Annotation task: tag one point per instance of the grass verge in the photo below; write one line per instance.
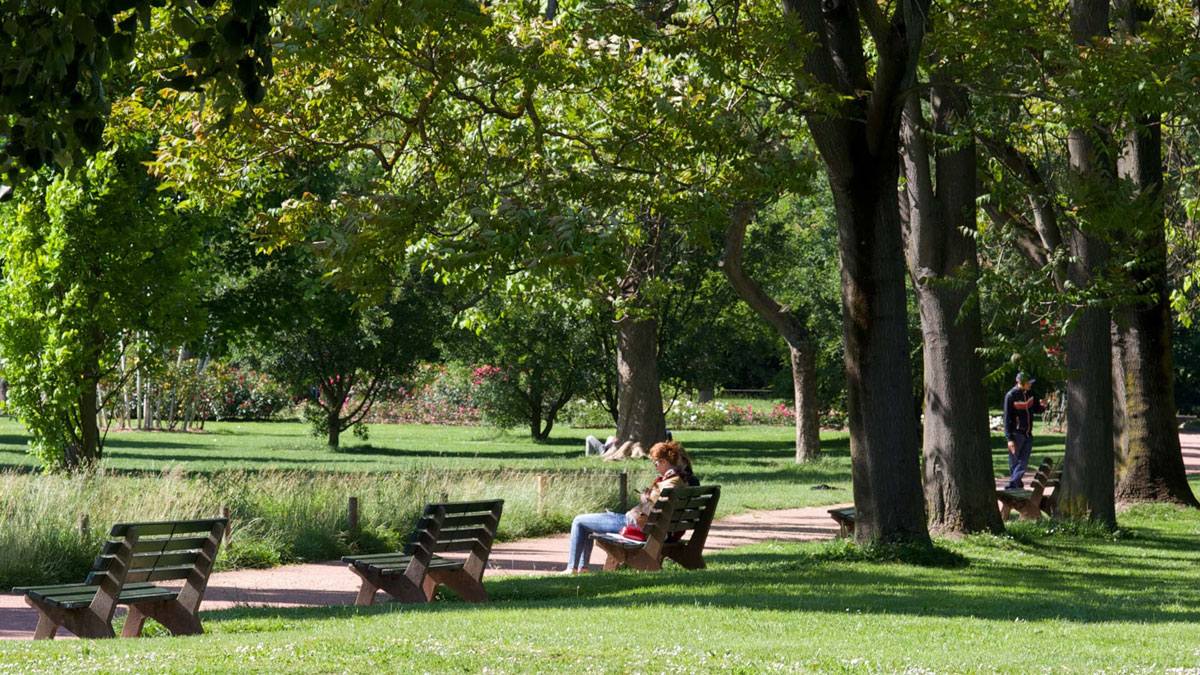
(1053, 602)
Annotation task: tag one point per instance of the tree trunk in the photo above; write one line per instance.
(1087, 482)
(334, 419)
(1149, 457)
(789, 325)
(860, 146)
(808, 419)
(640, 421)
(87, 451)
(942, 259)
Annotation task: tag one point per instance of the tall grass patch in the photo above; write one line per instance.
(277, 517)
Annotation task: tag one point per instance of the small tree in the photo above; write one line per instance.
(88, 259)
(543, 352)
(341, 353)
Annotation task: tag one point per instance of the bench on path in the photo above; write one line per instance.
(136, 555)
(412, 576)
(1031, 502)
(677, 511)
(844, 517)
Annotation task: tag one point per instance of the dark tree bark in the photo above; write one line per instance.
(859, 145)
(789, 325)
(640, 421)
(1148, 455)
(1087, 483)
(959, 485)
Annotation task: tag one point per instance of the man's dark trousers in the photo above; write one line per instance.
(1018, 460)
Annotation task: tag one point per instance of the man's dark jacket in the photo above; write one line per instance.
(1019, 408)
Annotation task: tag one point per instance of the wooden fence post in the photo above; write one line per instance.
(353, 514)
(225, 515)
(623, 490)
(84, 528)
(542, 481)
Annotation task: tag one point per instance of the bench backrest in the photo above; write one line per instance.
(1046, 476)
(159, 551)
(681, 509)
(456, 527)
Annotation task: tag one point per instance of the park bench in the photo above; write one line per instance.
(1030, 503)
(677, 511)
(844, 517)
(135, 556)
(412, 575)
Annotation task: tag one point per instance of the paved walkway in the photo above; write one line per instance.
(332, 584)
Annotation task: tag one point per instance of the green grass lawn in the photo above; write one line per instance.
(755, 465)
(1035, 601)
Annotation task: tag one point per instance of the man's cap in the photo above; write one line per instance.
(1022, 378)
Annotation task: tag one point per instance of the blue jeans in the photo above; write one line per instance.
(582, 527)
(1018, 460)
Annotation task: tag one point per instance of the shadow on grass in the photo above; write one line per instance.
(1093, 586)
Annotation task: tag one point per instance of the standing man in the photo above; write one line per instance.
(1019, 407)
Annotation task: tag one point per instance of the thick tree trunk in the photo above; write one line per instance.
(1087, 483)
(860, 149)
(942, 259)
(1149, 458)
(640, 421)
(789, 325)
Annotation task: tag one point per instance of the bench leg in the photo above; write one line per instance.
(170, 613)
(397, 586)
(82, 622)
(467, 586)
(643, 562)
(688, 559)
(46, 628)
(134, 622)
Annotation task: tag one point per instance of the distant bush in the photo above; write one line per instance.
(583, 414)
(232, 393)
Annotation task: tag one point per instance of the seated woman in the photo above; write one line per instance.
(674, 469)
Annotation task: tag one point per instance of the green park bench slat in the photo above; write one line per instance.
(142, 561)
(172, 527)
(158, 545)
(461, 507)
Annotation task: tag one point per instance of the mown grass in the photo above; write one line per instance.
(1036, 602)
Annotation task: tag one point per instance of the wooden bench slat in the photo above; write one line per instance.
(145, 560)
(159, 574)
(464, 507)
(167, 527)
(152, 594)
(459, 521)
(156, 544)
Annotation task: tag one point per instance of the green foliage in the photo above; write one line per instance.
(93, 263)
(539, 354)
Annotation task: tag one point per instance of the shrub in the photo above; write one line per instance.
(233, 393)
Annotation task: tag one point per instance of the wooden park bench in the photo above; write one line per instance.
(412, 576)
(677, 511)
(136, 555)
(1031, 502)
(844, 517)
